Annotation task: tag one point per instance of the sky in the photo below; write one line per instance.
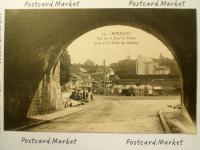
(91, 45)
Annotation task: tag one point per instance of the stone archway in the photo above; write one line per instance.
(34, 40)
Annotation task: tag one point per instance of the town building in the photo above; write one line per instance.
(148, 66)
(75, 81)
(80, 80)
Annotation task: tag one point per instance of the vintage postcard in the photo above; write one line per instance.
(99, 75)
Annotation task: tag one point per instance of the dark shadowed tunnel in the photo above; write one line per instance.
(34, 40)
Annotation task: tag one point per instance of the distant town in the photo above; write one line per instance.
(144, 76)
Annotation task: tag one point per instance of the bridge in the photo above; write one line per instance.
(35, 40)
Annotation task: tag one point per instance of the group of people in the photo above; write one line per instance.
(82, 95)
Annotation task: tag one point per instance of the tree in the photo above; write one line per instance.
(65, 64)
(171, 64)
(89, 63)
(125, 67)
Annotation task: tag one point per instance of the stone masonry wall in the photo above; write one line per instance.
(47, 97)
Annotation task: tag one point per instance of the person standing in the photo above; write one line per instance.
(84, 95)
(91, 95)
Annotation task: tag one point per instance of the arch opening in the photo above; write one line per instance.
(43, 52)
(120, 62)
(99, 41)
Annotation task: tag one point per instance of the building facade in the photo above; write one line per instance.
(148, 66)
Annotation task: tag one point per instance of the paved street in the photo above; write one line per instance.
(116, 114)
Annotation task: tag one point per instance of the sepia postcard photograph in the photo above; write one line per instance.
(130, 71)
